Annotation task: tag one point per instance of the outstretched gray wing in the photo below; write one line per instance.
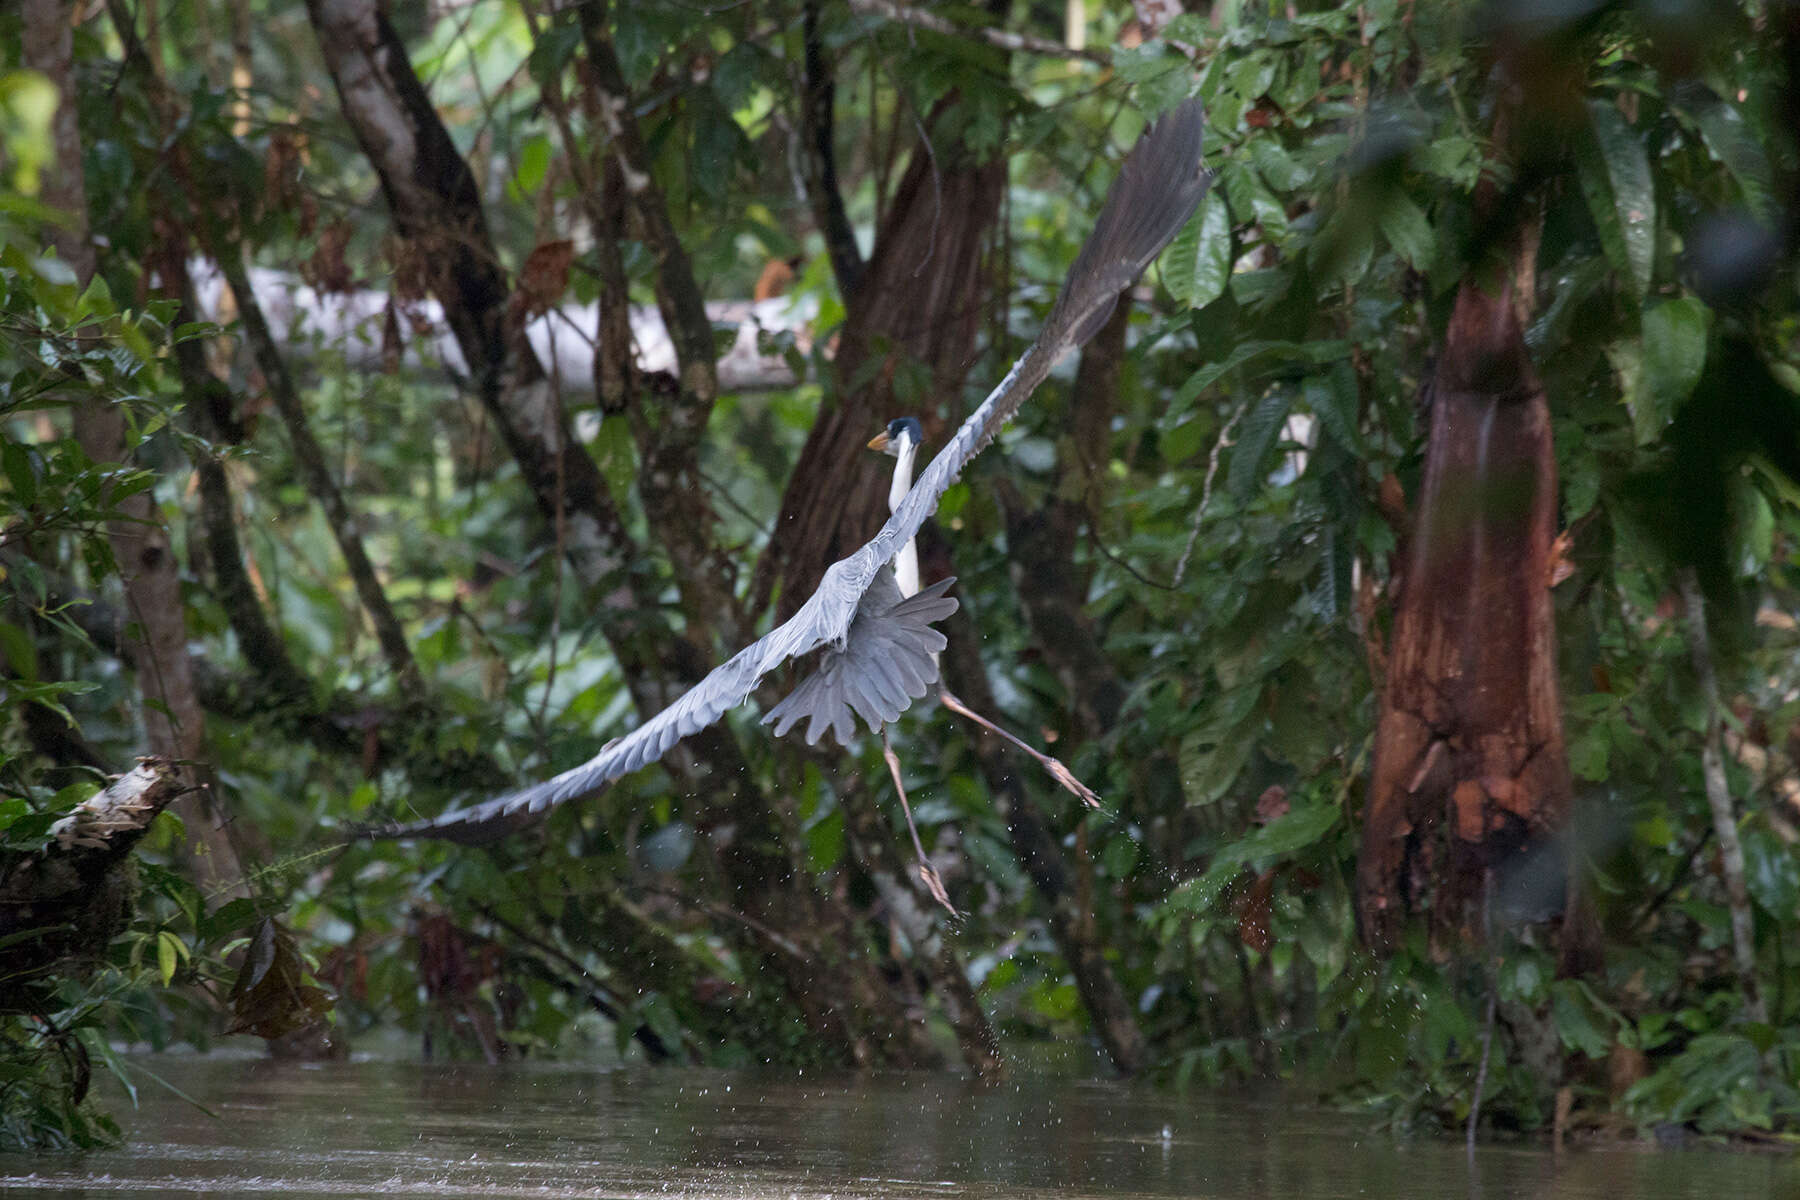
(1156, 192)
(825, 618)
(888, 662)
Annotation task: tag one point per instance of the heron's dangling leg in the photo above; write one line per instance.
(927, 872)
(1059, 772)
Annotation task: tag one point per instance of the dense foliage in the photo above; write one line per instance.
(1178, 575)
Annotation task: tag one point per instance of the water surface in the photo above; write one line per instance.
(386, 1128)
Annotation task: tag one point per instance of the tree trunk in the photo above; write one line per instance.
(155, 632)
(918, 302)
(1470, 769)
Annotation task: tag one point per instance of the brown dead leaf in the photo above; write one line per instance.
(1559, 567)
(777, 276)
(273, 994)
(1272, 804)
(327, 270)
(1254, 911)
(543, 279)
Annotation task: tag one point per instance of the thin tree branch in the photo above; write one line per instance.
(677, 293)
(1718, 798)
(311, 457)
(818, 123)
(1206, 487)
(1002, 38)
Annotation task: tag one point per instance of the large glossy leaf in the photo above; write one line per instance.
(1674, 350)
(1615, 178)
(1197, 265)
(1404, 226)
(1256, 438)
(1729, 139)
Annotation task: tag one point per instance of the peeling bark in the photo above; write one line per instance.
(70, 900)
(1470, 770)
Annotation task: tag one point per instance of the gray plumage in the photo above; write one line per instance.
(880, 644)
(888, 661)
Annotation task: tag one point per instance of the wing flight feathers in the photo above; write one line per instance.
(1157, 191)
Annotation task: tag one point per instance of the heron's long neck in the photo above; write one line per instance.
(906, 562)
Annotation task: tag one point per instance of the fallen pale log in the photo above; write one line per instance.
(352, 323)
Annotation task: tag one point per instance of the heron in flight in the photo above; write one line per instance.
(902, 439)
(879, 649)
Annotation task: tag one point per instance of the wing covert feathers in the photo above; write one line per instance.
(887, 662)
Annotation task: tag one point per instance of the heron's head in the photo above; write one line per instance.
(902, 433)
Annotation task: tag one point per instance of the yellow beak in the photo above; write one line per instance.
(879, 441)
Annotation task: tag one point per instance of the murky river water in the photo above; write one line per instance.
(384, 1128)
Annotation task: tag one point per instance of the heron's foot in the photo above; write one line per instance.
(1057, 770)
(935, 885)
(933, 882)
(1066, 777)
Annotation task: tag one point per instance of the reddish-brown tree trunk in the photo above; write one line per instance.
(1470, 767)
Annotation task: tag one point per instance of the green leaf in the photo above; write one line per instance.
(1674, 350)
(1210, 765)
(534, 162)
(1197, 265)
(16, 457)
(553, 49)
(1333, 400)
(825, 842)
(1120, 856)
(1729, 139)
(1256, 437)
(1139, 64)
(230, 917)
(1404, 226)
(1343, 249)
(1772, 875)
(1615, 178)
(1278, 166)
(1575, 1020)
(1250, 197)
(168, 953)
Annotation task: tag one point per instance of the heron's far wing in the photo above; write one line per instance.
(886, 663)
(822, 618)
(1157, 190)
